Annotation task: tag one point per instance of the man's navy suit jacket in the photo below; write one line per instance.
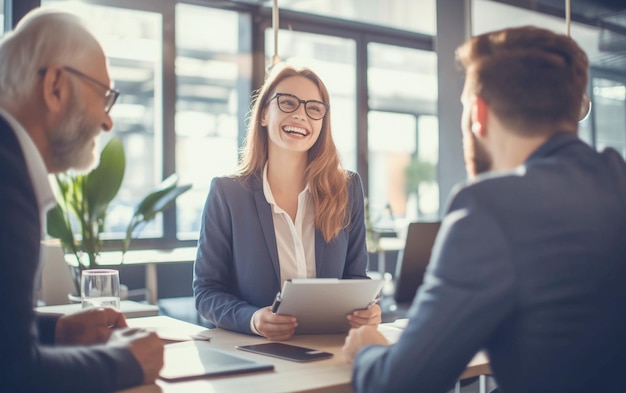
(237, 269)
(30, 363)
(529, 265)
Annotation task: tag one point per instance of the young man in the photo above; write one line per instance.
(530, 259)
(54, 101)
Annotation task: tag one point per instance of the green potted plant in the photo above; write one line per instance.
(417, 172)
(82, 205)
(372, 237)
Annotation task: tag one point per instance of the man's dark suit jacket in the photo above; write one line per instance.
(237, 269)
(30, 362)
(531, 266)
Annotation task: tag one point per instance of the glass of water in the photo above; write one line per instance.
(100, 288)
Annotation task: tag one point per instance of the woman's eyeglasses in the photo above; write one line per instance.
(289, 103)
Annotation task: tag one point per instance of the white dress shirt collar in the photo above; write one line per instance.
(295, 239)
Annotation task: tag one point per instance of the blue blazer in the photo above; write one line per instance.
(529, 265)
(237, 270)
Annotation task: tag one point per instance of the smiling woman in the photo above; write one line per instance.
(290, 211)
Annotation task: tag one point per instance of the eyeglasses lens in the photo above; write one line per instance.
(314, 109)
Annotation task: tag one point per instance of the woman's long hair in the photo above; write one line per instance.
(326, 178)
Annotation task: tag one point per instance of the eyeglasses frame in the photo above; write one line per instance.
(300, 102)
(110, 94)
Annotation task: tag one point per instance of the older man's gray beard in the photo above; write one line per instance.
(72, 143)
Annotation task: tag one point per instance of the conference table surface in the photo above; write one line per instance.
(329, 375)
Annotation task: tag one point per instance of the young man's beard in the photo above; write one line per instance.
(477, 158)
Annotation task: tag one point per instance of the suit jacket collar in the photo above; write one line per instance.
(553, 144)
(34, 162)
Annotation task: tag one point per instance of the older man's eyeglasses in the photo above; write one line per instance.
(110, 95)
(289, 103)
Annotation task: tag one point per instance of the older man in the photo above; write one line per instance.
(55, 98)
(530, 260)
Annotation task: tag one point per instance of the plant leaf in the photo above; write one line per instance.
(85, 198)
(154, 203)
(168, 182)
(102, 184)
(58, 226)
(162, 201)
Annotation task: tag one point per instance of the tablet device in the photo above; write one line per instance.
(197, 359)
(286, 351)
(322, 305)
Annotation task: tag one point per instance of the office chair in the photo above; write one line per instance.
(411, 266)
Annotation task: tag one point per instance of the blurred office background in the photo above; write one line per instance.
(186, 70)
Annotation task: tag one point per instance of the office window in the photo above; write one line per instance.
(418, 16)
(132, 42)
(425, 174)
(403, 134)
(333, 59)
(186, 73)
(606, 124)
(213, 64)
(585, 130)
(609, 104)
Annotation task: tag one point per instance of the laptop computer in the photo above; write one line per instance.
(412, 261)
(197, 359)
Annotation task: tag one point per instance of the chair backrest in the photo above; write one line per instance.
(56, 278)
(412, 261)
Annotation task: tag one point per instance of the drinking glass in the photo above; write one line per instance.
(100, 288)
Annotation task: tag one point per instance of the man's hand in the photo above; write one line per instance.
(369, 316)
(89, 326)
(145, 346)
(273, 326)
(358, 338)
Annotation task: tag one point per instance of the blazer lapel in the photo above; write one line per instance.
(320, 246)
(267, 224)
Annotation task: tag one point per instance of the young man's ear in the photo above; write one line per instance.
(54, 88)
(479, 116)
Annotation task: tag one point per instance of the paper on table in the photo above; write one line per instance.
(171, 329)
(393, 330)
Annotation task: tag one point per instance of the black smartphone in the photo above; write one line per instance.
(286, 351)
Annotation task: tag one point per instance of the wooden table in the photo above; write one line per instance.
(478, 366)
(331, 375)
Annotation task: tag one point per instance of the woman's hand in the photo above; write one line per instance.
(369, 316)
(273, 326)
